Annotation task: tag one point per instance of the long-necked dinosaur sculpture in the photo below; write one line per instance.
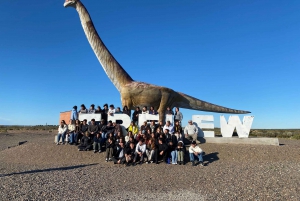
(135, 93)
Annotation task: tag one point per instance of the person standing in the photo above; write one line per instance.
(83, 109)
(126, 111)
(105, 112)
(169, 111)
(92, 109)
(135, 115)
(191, 131)
(178, 115)
(111, 110)
(74, 113)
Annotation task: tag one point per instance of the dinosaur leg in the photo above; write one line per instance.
(166, 101)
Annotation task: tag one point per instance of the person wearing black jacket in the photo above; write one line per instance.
(119, 157)
(104, 113)
(110, 145)
(82, 130)
(172, 152)
(97, 143)
(102, 130)
(162, 151)
(135, 115)
(85, 142)
(129, 153)
(126, 111)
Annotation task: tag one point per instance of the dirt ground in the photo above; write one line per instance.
(40, 170)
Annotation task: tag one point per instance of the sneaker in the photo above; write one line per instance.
(201, 163)
(151, 161)
(109, 159)
(140, 163)
(95, 151)
(57, 143)
(147, 162)
(99, 151)
(106, 160)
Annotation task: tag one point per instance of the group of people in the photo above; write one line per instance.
(149, 143)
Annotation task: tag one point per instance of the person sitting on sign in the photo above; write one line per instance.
(191, 131)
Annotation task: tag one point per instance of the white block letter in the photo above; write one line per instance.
(242, 129)
(197, 119)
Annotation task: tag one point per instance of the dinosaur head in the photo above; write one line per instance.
(70, 3)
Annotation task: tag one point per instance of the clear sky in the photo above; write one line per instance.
(238, 54)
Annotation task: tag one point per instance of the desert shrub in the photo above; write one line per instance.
(296, 137)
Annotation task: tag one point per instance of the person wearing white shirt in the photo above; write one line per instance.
(191, 131)
(71, 131)
(144, 110)
(111, 110)
(62, 130)
(140, 151)
(195, 150)
(169, 127)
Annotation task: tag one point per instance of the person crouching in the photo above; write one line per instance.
(195, 150)
(85, 143)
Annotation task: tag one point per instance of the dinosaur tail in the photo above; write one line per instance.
(190, 102)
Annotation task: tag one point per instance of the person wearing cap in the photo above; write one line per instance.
(74, 113)
(195, 150)
(111, 110)
(92, 109)
(83, 109)
(191, 131)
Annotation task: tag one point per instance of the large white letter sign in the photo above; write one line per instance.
(242, 129)
(124, 117)
(209, 125)
(89, 117)
(151, 117)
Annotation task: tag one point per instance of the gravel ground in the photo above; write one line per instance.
(40, 170)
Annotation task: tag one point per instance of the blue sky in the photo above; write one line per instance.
(238, 54)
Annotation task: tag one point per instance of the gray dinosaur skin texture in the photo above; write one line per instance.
(134, 93)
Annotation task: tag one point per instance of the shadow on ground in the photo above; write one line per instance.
(47, 170)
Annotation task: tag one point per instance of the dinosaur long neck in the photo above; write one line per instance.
(118, 76)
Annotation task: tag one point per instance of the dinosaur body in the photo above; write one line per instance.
(135, 93)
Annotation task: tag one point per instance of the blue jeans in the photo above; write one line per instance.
(192, 157)
(103, 137)
(174, 157)
(61, 135)
(72, 138)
